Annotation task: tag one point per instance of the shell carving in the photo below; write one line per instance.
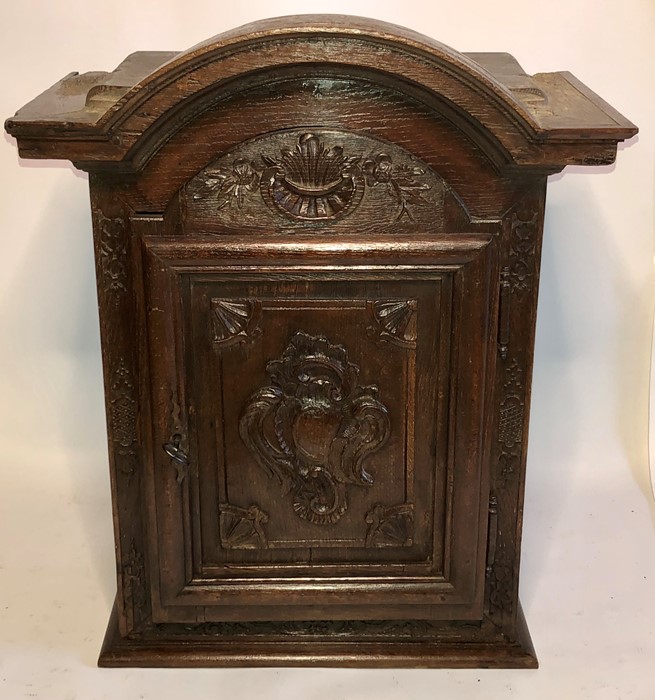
(394, 321)
(233, 320)
(312, 181)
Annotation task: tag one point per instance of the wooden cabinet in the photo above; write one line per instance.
(317, 244)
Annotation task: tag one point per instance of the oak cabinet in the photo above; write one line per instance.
(317, 244)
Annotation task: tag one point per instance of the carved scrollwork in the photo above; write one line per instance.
(241, 528)
(312, 427)
(510, 422)
(531, 95)
(390, 526)
(394, 321)
(605, 158)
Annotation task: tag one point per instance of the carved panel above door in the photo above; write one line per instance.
(299, 178)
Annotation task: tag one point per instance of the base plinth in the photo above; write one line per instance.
(321, 650)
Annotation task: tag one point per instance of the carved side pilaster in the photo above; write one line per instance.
(520, 273)
(117, 308)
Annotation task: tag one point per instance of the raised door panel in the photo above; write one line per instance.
(319, 424)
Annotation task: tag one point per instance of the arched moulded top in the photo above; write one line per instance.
(545, 121)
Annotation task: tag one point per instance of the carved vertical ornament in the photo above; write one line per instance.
(312, 427)
(122, 412)
(510, 439)
(113, 253)
(510, 423)
(134, 584)
(517, 278)
(523, 241)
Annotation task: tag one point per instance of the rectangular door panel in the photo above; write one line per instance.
(319, 437)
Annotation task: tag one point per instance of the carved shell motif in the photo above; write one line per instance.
(312, 181)
(312, 427)
(394, 320)
(233, 320)
(390, 526)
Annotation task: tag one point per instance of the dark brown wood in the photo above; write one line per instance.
(317, 245)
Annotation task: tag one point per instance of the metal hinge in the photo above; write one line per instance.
(492, 533)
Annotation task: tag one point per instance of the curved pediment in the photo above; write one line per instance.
(123, 117)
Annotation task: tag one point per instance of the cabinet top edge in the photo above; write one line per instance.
(110, 111)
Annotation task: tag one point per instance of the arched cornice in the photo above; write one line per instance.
(111, 117)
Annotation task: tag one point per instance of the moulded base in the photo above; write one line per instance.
(321, 650)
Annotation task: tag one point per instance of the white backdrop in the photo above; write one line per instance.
(589, 546)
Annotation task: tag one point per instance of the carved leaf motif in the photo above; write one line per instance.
(241, 528)
(390, 526)
(229, 185)
(313, 427)
(400, 181)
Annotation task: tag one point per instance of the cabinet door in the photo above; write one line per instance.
(319, 417)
